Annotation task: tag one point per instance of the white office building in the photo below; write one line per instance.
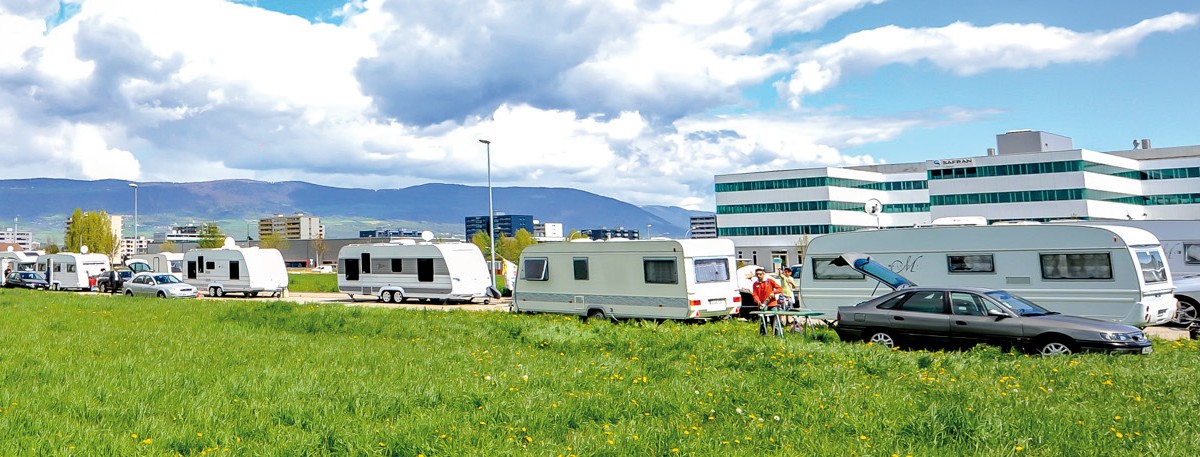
(12, 235)
(1031, 175)
(547, 231)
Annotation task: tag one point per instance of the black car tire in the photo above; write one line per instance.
(128, 293)
(1055, 346)
(881, 337)
(161, 294)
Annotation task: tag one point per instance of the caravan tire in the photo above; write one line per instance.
(386, 297)
(218, 292)
(596, 314)
(397, 297)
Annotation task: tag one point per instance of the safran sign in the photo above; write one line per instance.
(952, 163)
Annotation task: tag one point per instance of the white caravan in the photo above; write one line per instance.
(1104, 272)
(72, 271)
(653, 279)
(162, 262)
(232, 269)
(1180, 240)
(396, 272)
(18, 260)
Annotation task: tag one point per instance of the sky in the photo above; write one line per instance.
(640, 100)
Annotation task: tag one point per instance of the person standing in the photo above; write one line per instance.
(765, 292)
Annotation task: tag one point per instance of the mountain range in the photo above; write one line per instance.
(42, 204)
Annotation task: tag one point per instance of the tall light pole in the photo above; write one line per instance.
(135, 217)
(491, 215)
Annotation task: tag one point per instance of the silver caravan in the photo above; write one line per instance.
(72, 271)
(232, 269)
(652, 279)
(396, 272)
(18, 260)
(1110, 273)
(1180, 240)
(162, 262)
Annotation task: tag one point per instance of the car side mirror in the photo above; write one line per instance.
(997, 314)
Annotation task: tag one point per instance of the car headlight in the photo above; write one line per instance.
(1117, 336)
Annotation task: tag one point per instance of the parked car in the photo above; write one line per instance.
(966, 316)
(26, 279)
(105, 283)
(1187, 291)
(323, 269)
(162, 285)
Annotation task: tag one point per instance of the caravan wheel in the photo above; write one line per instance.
(218, 292)
(388, 297)
(397, 297)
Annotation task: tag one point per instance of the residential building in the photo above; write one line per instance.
(547, 231)
(296, 227)
(1031, 175)
(14, 236)
(506, 224)
(180, 234)
(607, 233)
(703, 227)
(389, 233)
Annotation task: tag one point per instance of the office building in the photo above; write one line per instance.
(20, 238)
(607, 233)
(506, 224)
(1030, 176)
(547, 231)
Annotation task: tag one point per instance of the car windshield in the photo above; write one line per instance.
(1018, 305)
(166, 279)
(31, 275)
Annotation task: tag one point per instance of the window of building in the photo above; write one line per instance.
(1076, 265)
(970, 263)
(534, 269)
(660, 270)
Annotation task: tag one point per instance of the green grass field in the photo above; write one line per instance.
(101, 375)
(312, 282)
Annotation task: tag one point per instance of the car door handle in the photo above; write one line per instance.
(960, 322)
(897, 318)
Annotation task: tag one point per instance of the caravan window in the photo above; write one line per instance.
(534, 269)
(397, 265)
(1152, 266)
(660, 271)
(825, 269)
(1191, 253)
(210, 265)
(1076, 265)
(581, 268)
(973, 263)
(711, 270)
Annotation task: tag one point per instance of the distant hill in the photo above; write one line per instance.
(44, 203)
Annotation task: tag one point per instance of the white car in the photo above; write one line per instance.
(162, 285)
(323, 269)
(1187, 291)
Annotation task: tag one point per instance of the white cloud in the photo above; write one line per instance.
(967, 49)
(614, 97)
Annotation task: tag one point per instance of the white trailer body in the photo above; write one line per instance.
(72, 271)
(1104, 272)
(231, 269)
(18, 260)
(651, 279)
(162, 262)
(1180, 240)
(396, 272)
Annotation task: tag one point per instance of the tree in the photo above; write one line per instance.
(511, 248)
(211, 237)
(168, 246)
(482, 240)
(319, 246)
(52, 248)
(274, 240)
(575, 235)
(92, 229)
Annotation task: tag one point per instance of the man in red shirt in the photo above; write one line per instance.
(765, 291)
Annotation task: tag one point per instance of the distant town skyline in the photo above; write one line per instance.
(640, 101)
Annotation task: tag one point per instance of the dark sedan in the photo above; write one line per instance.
(965, 316)
(970, 316)
(27, 280)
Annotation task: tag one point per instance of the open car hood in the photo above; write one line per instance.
(865, 265)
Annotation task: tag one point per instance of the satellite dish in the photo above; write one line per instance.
(83, 249)
(873, 207)
(229, 243)
(427, 235)
(10, 249)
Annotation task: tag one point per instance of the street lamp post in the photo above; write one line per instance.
(135, 217)
(491, 215)
(688, 233)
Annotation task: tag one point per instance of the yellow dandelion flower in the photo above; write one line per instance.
(147, 441)
(1019, 448)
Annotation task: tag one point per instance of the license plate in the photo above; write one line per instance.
(716, 304)
(1147, 349)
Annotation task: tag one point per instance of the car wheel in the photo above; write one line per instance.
(128, 293)
(882, 338)
(103, 289)
(161, 294)
(1055, 346)
(1187, 312)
